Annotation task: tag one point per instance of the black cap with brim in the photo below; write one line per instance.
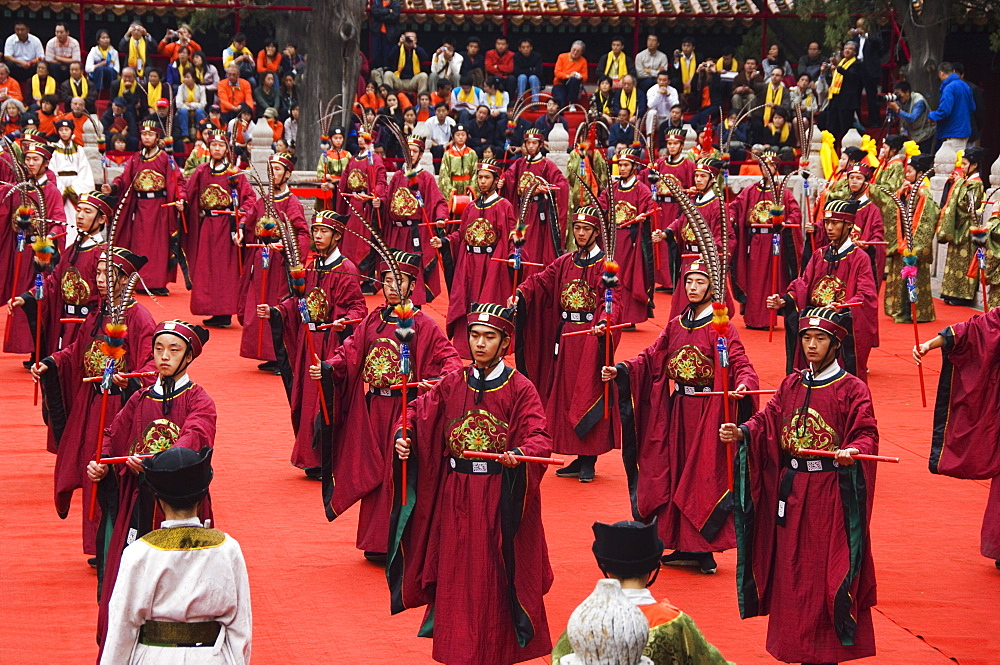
(179, 474)
(627, 549)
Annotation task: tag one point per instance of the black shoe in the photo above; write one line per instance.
(706, 562)
(313, 472)
(218, 321)
(92, 562)
(368, 289)
(587, 468)
(997, 563)
(679, 558)
(757, 328)
(160, 292)
(377, 557)
(271, 367)
(571, 470)
(629, 328)
(956, 302)
(662, 289)
(27, 364)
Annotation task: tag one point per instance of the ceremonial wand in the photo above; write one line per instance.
(267, 231)
(39, 295)
(237, 221)
(475, 454)
(23, 223)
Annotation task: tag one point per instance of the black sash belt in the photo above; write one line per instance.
(685, 389)
(480, 250)
(760, 230)
(794, 465)
(577, 317)
(158, 194)
(176, 634)
(475, 467)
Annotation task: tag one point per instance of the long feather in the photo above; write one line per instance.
(703, 234)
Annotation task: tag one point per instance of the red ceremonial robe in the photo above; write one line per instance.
(483, 235)
(332, 292)
(363, 169)
(804, 549)
(215, 266)
(683, 174)
(358, 449)
(545, 236)
(567, 296)
(840, 277)
(72, 408)
(276, 288)
(146, 226)
(130, 510)
(676, 467)
(413, 202)
(634, 252)
(711, 209)
(752, 260)
(868, 227)
(469, 543)
(22, 335)
(966, 439)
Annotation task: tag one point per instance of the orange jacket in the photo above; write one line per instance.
(230, 96)
(13, 88)
(565, 67)
(170, 50)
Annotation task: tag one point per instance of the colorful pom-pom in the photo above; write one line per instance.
(297, 279)
(44, 250)
(720, 317)
(909, 272)
(611, 267)
(777, 216)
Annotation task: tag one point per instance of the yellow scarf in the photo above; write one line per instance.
(467, 98)
(402, 61)
(154, 94)
(838, 78)
(498, 99)
(80, 91)
(732, 66)
(137, 54)
(625, 103)
(618, 64)
(190, 93)
(785, 129)
(774, 96)
(50, 86)
(828, 154)
(122, 89)
(688, 68)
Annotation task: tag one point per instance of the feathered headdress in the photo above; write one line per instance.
(907, 209)
(326, 115)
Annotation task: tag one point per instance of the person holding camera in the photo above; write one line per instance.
(445, 64)
(747, 85)
(912, 109)
(138, 48)
(404, 64)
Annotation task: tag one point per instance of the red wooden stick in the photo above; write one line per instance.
(263, 301)
(348, 322)
(38, 342)
(982, 280)
(97, 453)
(319, 382)
(874, 242)
(13, 294)
(72, 320)
(588, 331)
(129, 375)
(774, 289)
(831, 453)
(725, 419)
(717, 393)
(402, 463)
(845, 305)
(920, 367)
(523, 263)
(400, 386)
(520, 458)
(121, 460)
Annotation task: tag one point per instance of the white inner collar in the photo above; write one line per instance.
(179, 382)
(831, 370)
(494, 373)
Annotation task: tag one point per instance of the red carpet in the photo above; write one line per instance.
(315, 599)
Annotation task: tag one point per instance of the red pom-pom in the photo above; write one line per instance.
(611, 267)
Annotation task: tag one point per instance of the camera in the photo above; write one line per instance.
(889, 98)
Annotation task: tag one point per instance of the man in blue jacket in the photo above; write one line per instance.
(955, 106)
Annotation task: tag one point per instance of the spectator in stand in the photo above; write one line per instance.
(621, 133)
(9, 88)
(500, 63)
(296, 63)
(709, 87)
(674, 121)
(845, 93)
(77, 115)
(215, 116)
(446, 65)
(60, 51)
(384, 31)
(155, 90)
(240, 128)
(870, 59)
(661, 98)
(954, 112)
(615, 64)
(266, 95)
(207, 75)
(496, 98)
(746, 86)
(234, 92)
(238, 54)
(292, 126)
(465, 99)
(42, 84)
(22, 51)
(628, 97)
(977, 98)
(738, 136)
(119, 119)
(685, 68)
(77, 85)
(804, 94)
(570, 75)
(442, 93)
(812, 61)
(392, 108)
(190, 101)
(775, 58)
(161, 114)
(528, 69)
(474, 62)
(127, 87)
(728, 69)
(277, 127)
(405, 71)
(649, 63)
(775, 95)
(174, 40)
(370, 99)
(13, 116)
(402, 98)
(176, 69)
(439, 130)
(288, 96)
(48, 112)
(424, 109)
(270, 59)
(483, 132)
(777, 136)
(552, 117)
(602, 101)
(103, 65)
(138, 48)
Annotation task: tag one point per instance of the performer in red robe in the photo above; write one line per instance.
(267, 283)
(332, 296)
(481, 608)
(71, 408)
(966, 438)
(546, 234)
(634, 253)
(868, 225)
(802, 521)
(681, 169)
(174, 411)
(40, 195)
(220, 199)
(676, 468)
(362, 190)
(149, 219)
(415, 199)
(70, 290)
(752, 260)
(483, 235)
(568, 296)
(358, 381)
(839, 274)
(710, 207)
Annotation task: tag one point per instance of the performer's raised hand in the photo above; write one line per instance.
(608, 373)
(512, 302)
(238, 237)
(436, 243)
(659, 235)
(119, 380)
(338, 325)
(105, 189)
(14, 303)
(845, 456)
(134, 463)
(263, 311)
(316, 372)
(730, 433)
(775, 301)
(739, 392)
(507, 459)
(377, 202)
(403, 448)
(96, 471)
(921, 350)
(37, 370)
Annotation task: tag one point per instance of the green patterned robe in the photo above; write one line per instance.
(897, 304)
(576, 195)
(957, 217)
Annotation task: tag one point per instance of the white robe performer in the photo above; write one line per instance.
(72, 169)
(181, 573)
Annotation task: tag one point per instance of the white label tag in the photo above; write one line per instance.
(689, 390)
(814, 465)
(132, 533)
(479, 467)
(781, 509)
(416, 242)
